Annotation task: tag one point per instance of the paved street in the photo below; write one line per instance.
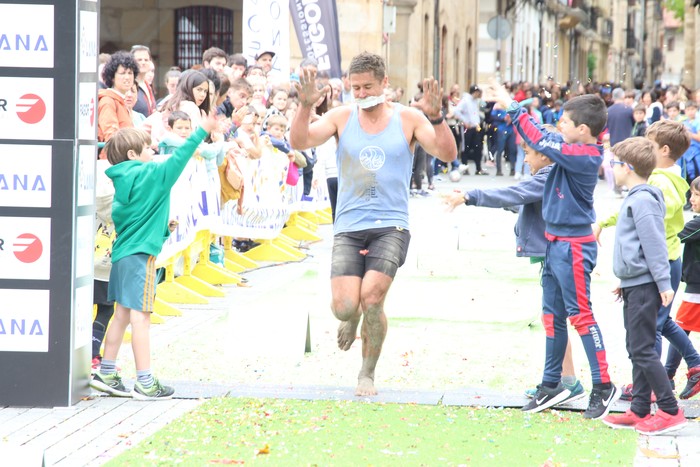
(463, 330)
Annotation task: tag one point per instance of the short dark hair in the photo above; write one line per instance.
(589, 110)
(308, 61)
(673, 105)
(368, 62)
(122, 58)
(136, 48)
(212, 75)
(672, 134)
(252, 67)
(638, 152)
(173, 72)
(691, 104)
(213, 52)
(176, 115)
(242, 84)
(238, 60)
(695, 184)
(640, 108)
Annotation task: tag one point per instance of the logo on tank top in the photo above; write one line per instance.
(372, 158)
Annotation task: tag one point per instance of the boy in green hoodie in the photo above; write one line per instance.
(672, 140)
(140, 211)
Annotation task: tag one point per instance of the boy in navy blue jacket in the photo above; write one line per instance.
(567, 209)
(529, 234)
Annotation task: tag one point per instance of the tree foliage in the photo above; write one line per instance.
(677, 7)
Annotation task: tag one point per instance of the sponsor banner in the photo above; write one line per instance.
(84, 245)
(88, 42)
(83, 307)
(194, 204)
(25, 176)
(266, 28)
(26, 108)
(26, 36)
(24, 320)
(87, 157)
(87, 111)
(316, 25)
(25, 248)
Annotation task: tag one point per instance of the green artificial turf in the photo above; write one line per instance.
(283, 432)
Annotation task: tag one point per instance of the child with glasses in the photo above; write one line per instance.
(640, 261)
(671, 140)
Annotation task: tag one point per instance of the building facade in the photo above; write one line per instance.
(430, 37)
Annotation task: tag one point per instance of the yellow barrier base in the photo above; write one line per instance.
(268, 251)
(127, 337)
(283, 240)
(291, 247)
(298, 232)
(311, 216)
(240, 259)
(200, 286)
(165, 309)
(214, 274)
(233, 267)
(173, 292)
(296, 219)
(325, 217)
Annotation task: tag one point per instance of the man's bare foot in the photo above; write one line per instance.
(347, 333)
(365, 387)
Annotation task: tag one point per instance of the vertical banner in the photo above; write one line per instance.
(266, 28)
(48, 146)
(316, 24)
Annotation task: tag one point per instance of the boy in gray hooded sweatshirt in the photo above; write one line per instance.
(640, 261)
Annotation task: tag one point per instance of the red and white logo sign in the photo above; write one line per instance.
(87, 121)
(25, 248)
(31, 108)
(28, 248)
(26, 108)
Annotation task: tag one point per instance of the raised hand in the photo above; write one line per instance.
(308, 91)
(431, 102)
(239, 115)
(496, 92)
(210, 123)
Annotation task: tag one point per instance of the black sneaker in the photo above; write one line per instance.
(546, 397)
(111, 384)
(600, 402)
(154, 393)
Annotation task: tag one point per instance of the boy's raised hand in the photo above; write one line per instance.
(498, 93)
(210, 123)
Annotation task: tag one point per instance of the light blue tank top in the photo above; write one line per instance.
(374, 173)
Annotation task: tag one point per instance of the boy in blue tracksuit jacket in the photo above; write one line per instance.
(567, 209)
(529, 233)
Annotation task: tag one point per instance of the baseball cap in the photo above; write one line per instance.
(473, 88)
(272, 54)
